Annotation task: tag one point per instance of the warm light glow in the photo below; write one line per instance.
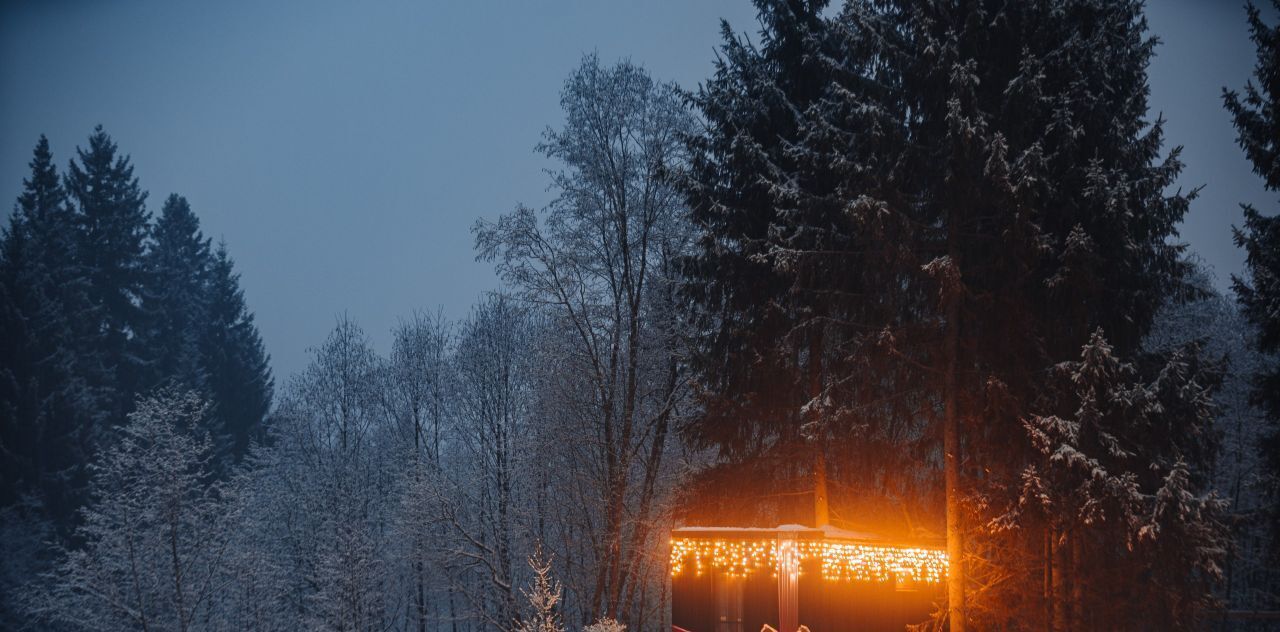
(842, 561)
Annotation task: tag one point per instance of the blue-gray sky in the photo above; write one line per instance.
(343, 150)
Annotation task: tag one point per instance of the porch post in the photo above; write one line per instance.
(788, 583)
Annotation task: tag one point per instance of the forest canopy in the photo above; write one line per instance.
(904, 268)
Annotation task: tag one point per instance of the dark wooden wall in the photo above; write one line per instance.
(825, 606)
(693, 603)
(855, 606)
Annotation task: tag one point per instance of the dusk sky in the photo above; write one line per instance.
(343, 150)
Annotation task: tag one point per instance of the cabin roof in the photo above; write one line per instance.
(826, 532)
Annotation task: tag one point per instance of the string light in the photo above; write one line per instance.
(840, 561)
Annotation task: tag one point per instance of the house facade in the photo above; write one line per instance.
(731, 579)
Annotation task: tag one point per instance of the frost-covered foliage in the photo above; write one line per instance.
(1253, 110)
(401, 492)
(605, 625)
(600, 263)
(1227, 338)
(543, 596)
(1256, 115)
(480, 500)
(327, 481)
(99, 305)
(398, 492)
(909, 214)
(155, 535)
(911, 217)
(1122, 474)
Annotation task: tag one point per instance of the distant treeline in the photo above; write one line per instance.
(98, 305)
(393, 492)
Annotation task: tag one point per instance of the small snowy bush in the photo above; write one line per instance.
(606, 625)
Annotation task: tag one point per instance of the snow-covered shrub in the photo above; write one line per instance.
(606, 625)
(543, 597)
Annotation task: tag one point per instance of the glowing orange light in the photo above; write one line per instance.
(841, 561)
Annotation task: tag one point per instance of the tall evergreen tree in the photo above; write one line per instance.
(51, 374)
(1256, 115)
(974, 189)
(1113, 472)
(765, 345)
(88, 318)
(236, 365)
(18, 430)
(113, 226)
(174, 298)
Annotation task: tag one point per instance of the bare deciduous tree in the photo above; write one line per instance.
(599, 259)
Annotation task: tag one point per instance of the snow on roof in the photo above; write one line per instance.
(826, 532)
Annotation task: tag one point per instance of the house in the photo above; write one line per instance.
(731, 579)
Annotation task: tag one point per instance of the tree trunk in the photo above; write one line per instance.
(178, 597)
(420, 596)
(951, 445)
(1061, 600)
(1077, 587)
(821, 508)
(821, 511)
(1047, 593)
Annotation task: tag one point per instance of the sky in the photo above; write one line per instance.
(344, 150)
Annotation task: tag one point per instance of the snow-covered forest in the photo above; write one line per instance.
(924, 257)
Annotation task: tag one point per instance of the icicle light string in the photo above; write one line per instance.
(841, 561)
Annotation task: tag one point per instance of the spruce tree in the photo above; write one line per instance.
(113, 227)
(1115, 475)
(1256, 115)
(975, 189)
(51, 374)
(174, 298)
(236, 366)
(18, 430)
(764, 342)
(1033, 155)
